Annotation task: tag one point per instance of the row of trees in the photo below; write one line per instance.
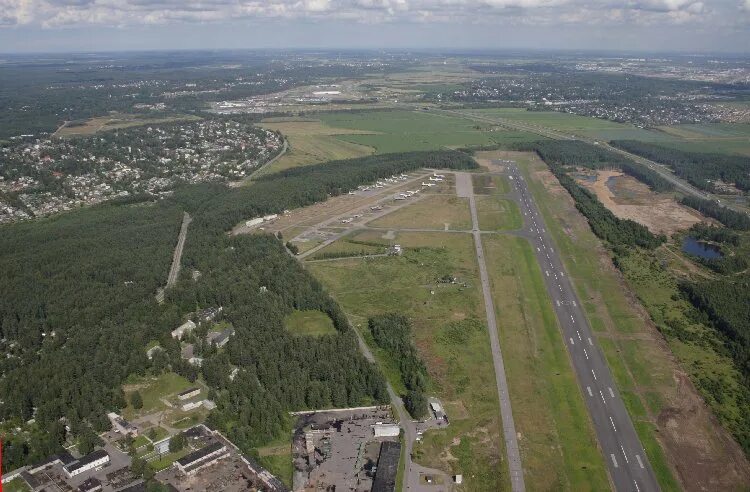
(701, 169)
(392, 332)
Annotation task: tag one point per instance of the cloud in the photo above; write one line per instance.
(62, 13)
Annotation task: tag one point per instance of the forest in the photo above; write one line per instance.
(728, 217)
(392, 333)
(560, 156)
(701, 169)
(77, 309)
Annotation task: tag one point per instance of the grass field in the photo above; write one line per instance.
(347, 247)
(309, 323)
(558, 446)
(579, 125)
(431, 212)
(116, 122)
(449, 332)
(16, 485)
(497, 214)
(400, 131)
(152, 390)
(485, 184)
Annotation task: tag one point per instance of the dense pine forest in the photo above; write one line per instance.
(701, 169)
(77, 309)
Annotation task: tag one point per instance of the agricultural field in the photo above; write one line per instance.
(578, 125)
(311, 142)
(309, 323)
(431, 212)
(115, 122)
(450, 334)
(558, 447)
(680, 436)
(398, 131)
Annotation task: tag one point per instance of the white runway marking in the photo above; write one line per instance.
(614, 460)
(611, 393)
(638, 458)
(613, 424)
(589, 388)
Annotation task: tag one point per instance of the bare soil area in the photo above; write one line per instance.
(627, 198)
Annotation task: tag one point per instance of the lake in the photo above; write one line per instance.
(694, 247)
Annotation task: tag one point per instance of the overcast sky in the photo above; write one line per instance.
(644, 25)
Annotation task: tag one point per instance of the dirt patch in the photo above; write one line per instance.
(627, 198)
(697, 448)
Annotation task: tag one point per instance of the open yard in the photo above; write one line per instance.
(153, 389)
(450, 334)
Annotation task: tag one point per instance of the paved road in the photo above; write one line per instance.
(464, 187)
(174, 270)
(626, 460)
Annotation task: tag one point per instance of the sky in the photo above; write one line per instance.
(624, 25)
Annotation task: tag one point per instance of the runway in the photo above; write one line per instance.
(626, 459)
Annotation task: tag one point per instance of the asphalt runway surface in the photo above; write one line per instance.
(626, 460)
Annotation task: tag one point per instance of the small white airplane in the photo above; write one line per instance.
(346, 221)
(428, 184)
(352, 193)
(412, 191)
(438, 175)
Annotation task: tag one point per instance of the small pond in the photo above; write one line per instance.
(694, 247)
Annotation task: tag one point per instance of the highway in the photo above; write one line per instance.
(626, 460)
(679, 184)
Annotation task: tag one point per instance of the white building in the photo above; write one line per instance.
(91, 461)
(180, 331)
(386, 430)
(189, 393)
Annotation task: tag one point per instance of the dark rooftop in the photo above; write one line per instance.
(188, 391)
(90, 484)
(91, 457)
(385, 476)
(198, 455)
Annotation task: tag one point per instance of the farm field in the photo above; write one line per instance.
(675, 427)
(558, 447)
(431, 212)
(399, 131)
(309, 323)
(311, 142)
(450, 334)
(579, 125)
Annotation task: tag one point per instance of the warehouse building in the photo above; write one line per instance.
(385, 476)
(91, 461)
(189, 393)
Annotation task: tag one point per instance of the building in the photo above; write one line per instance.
(180, 331)
(385, 476)
(91, 461)
(206, 456)
(437, 410)
(386, 430)
(64, 458)
(121, 425)
(209, 314)
(150, 352)
(220, 338)
(90, 485)
(254, 222)
(189, 393)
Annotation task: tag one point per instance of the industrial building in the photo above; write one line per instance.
(202, 458)
(189, 393)
(91, 461)
(385, 476)
(386, 430)
(121, 425)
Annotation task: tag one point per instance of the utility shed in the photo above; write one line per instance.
(385, 476)
(386, 430)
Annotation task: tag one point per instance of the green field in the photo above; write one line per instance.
(578, 125)
(309, 323)
(497, 214)
(16, 485)
(558, 446)
(450, 334)
(152, 389)
(399, 131)
(485, 184)
(639, 366)
(346, 247)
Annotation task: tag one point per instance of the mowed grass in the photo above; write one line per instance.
(309, 323)
(558, 445)
(451, 336)
(430, 212)
(116, 122)
(347, 247)
(402, 131)
(497, 214)
(605, 301)
(579, 125)
(487, 184)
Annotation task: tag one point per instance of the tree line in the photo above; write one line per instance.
(392, 333)
(727, 216)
